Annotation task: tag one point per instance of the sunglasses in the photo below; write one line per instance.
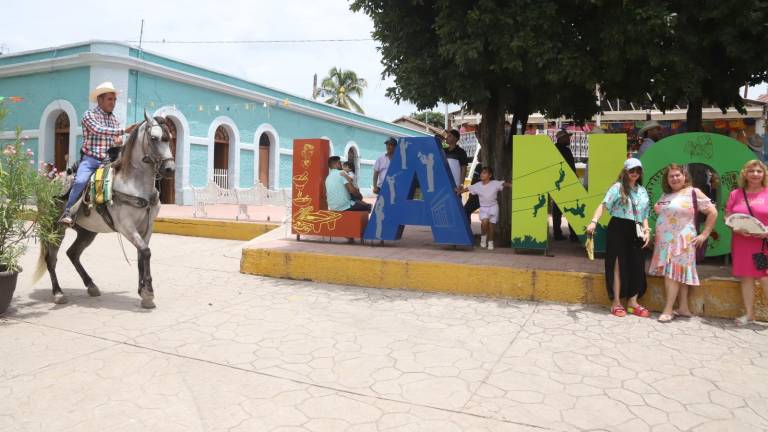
(636, 171)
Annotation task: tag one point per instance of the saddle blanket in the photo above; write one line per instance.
(101, 185)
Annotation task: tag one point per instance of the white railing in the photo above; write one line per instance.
(256, 196)
(468, 141)
(579, 143)
(220, 177)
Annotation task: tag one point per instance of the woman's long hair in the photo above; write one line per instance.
(624, 181)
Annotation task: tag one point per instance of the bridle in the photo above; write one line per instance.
(148, 157)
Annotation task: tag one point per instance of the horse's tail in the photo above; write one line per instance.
(41, 267)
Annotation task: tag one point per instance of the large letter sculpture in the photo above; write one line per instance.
(724, 156)
(540, 173)
(419, 158)
(310, 210)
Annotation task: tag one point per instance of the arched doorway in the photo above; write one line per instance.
(264, 145)
(221, 157)
(61, 142)
(168, 185)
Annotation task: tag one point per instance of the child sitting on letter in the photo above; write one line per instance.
(487, 190)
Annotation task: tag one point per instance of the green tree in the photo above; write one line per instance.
(496, 56)
(699, 52)
(433, 118)
(340, 85)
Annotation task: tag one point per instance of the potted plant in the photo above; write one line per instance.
(28, 207)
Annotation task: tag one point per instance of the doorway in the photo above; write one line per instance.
(168, 185)
(221, 157)
(264, 154)
(61, 142)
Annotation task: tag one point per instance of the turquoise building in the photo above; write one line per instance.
(227, 129)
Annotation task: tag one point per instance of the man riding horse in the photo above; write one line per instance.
(134, 202)
(101, 131)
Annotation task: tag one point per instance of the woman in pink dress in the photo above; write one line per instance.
(753, 190)
(676, 240)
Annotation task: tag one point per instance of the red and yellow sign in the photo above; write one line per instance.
(310, 209)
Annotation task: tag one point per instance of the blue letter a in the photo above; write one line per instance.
(419, 158)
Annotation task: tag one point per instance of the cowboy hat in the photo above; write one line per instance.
(648, 126)
(562, 132)
(105, 87)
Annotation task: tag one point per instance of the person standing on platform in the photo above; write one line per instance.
(750, 198)
(676, 239)
(382, 164)
(628, 203)
(487, 191)
(650, 132)
(457, 157)
(563, 144)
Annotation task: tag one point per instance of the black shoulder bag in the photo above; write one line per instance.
(760, 259)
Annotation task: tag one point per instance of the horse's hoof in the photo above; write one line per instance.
(147, 299)
(59, 298)
(93, 290)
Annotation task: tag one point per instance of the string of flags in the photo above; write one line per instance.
(11, 99)
(247, 106)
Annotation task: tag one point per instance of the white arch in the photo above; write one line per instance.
(353, 145)
(233, 159)
(182, 147)
(274, 154)
(47, 134)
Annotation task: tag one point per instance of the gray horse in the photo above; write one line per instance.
(135, 204)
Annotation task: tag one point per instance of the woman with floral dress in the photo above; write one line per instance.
(628, 203)
(674, 253)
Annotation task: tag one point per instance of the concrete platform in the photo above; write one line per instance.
(418, 264)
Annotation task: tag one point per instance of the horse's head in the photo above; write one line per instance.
(157, 148)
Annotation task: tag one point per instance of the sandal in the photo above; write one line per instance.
(639, 311)
(743, 320)
(680, 315)
(618, 311)
(665, 318)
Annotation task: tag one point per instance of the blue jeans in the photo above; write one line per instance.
(87, 167)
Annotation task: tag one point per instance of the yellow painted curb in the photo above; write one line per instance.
(717, 297)
(218, 229)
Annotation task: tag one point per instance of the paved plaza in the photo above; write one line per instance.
(225, 351)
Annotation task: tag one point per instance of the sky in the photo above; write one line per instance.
(35, 24)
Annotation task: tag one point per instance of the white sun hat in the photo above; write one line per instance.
(105, 87)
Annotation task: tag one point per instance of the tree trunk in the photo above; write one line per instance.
(497, 153)
(693, 116)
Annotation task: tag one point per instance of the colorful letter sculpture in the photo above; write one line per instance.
(723, 155)
(419, 158)
(540, 174)
(310, 209)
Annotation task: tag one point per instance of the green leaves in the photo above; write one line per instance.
(339, 85)
(28, 202)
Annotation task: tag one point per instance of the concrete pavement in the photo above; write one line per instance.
(228, 351)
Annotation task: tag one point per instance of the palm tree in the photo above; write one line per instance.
(339, 85)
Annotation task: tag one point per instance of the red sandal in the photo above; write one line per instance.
(619, 311)
(639, 311)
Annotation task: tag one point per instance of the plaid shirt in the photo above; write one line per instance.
(99, 131)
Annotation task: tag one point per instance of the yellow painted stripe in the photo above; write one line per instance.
(715, 298)
(218, 229)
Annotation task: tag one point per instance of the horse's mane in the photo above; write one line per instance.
(124, 161)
